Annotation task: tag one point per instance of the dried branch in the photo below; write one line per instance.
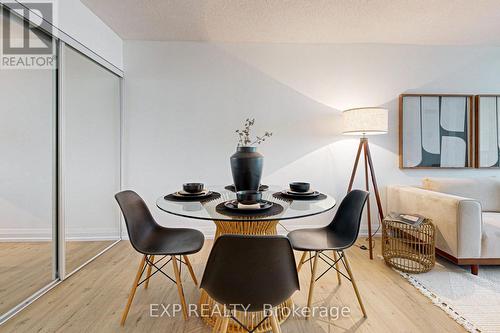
(244, 134)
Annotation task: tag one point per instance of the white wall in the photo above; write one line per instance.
(79, 22)
(184, 100)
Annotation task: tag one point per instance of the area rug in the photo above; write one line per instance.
(472, 301)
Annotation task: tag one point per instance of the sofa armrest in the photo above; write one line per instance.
(458, 220)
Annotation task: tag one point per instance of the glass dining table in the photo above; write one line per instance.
(245, 224)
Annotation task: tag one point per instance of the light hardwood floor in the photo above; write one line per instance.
(26, 267)
(93, 299)
(79, 252)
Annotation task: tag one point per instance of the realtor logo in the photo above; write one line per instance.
(27, 41)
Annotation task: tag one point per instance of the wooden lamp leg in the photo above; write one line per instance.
(356, 161)
(363, 145)
(374, 182)
(368, 209)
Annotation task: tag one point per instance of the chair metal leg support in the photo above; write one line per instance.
(254, 328)
(138, 276)
(332, 265)
(178, 282)
(313, 280)
(158, 269)
(348, 268)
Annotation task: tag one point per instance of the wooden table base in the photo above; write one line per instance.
(245, 228)
(249, 319)
(208, 309)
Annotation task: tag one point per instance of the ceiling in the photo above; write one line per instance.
(446, 22)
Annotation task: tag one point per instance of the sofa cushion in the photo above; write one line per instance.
(485, 189)
(490, 245)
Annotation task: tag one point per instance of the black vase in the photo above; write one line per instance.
(246, 167)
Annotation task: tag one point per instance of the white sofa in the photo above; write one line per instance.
(465, 211)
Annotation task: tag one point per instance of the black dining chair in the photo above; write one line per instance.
(250, 273)
(152, 240)
(338, 236)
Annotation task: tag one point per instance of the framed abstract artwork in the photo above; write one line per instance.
(435, 131)
(487, 152)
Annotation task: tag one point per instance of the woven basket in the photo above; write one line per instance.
(407, 248)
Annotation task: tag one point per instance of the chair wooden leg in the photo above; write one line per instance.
(274, 323)
(179, 287)
(311, 285)
(132, 291)
(339, 278)
(148, 274)
(191, 271)
(224, 325)
(301, 262)
(354, 285)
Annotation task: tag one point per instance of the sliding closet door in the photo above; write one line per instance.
(27, 176)
(90, 157)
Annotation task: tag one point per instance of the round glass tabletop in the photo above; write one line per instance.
(206, 210)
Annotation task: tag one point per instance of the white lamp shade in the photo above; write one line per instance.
(365, 121)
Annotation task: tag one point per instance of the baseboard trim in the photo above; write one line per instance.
(45, 235)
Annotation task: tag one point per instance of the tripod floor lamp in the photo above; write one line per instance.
(363, 122)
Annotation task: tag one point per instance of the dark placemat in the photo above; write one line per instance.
(274, 210)
(213, 196)
(262, 188)
(279, 195)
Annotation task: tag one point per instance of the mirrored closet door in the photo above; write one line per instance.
(60, 163)
(90, 157)
(27, 174)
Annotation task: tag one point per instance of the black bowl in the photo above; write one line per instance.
(300, 187)
(248, 197)
(192, 187)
